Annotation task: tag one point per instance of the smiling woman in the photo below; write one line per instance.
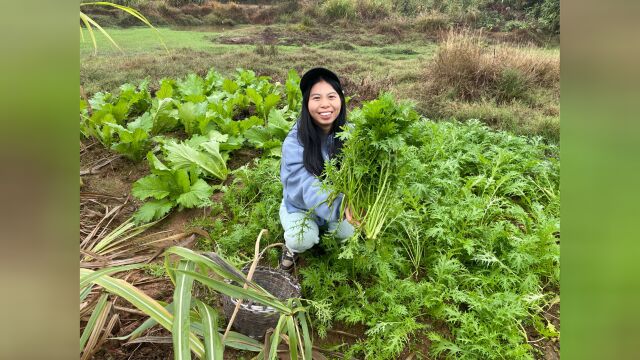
(305, 208)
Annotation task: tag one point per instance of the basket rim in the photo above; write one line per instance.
(264, 309)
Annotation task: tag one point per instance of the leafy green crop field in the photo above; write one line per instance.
(464, 261)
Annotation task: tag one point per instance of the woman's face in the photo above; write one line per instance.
(324, 105)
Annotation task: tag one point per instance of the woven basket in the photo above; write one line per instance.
(254, 319)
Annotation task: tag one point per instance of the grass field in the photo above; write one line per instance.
(368, 61)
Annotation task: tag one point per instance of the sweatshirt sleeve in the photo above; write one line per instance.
(301, 187)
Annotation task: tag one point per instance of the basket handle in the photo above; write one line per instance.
(257, 255)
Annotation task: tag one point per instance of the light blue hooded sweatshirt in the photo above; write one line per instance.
(301, 189)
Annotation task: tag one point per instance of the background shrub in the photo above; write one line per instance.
(410, 7)
(431, 21)
(511, 84)
(373, 9)
(338, 9)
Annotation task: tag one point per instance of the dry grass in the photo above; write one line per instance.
(465, 68)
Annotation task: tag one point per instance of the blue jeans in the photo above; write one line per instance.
(301, 231)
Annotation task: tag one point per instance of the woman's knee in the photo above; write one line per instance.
(301, 239)
(342, 230)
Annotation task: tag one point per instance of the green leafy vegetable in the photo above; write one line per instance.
(169, 187)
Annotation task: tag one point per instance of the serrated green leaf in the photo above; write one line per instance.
(229, 86)
(269, 102)
(198, 195)
(150, 186)
(143, 122)
(166, 89)
(192, 88)
(153, 210)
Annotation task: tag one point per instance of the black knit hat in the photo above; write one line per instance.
(310, 77)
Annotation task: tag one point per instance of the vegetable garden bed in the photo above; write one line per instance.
(467, 266)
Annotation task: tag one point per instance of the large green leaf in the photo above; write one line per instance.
(152, 210)
(192, 88)
(212, 339)
(191, 115)
(86, 279)
(144, 122)
(166, 89)
(151, 186)
(229, 86)
(258, 136)
(155, 163)
(293, 338)
(182, 304)
(269, 102)
(221, 267)
(278, 126)
(238, 292)
(254, 96)
(164, 115)
(183, 156)
(198, 194)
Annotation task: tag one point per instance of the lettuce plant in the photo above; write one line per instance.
(167, 188)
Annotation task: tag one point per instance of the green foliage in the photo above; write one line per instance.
(338, 9)
(511, 84)
(292, 90)
(109, 109)
(191, 321)
(133, 140)
(270, 137)
(200, 154)
(372, 162)
(168, 187)
(473, 244)
(546, 14)
(251, 203)
(219, 114)
(470, 216)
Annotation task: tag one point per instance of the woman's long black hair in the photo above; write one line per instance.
(310, 134)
